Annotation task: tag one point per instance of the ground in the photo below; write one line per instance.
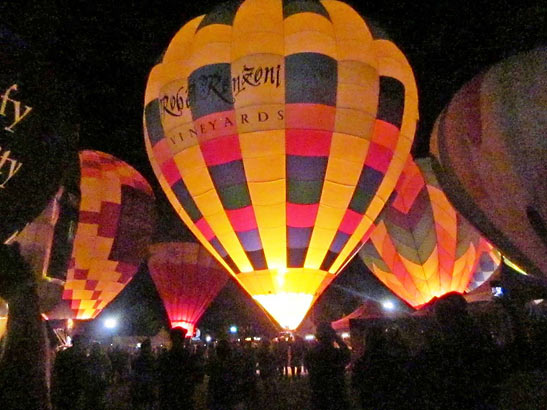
(292, 394)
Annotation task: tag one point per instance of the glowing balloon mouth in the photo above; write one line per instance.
(185, 325)
(288, 309)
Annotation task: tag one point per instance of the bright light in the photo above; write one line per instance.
(208, 339)
(345, 335)
(257, 339)
(110, 323)
(309, 337)
(233, 329)
(388, 305)
(288, 309)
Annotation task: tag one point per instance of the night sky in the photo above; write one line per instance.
(103, 51)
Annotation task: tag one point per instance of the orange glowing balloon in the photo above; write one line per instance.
(115, 225)
(421, 247)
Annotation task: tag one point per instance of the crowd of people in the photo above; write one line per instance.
(461, 366)
(166, 379)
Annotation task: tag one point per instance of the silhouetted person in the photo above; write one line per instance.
(456, 371)
(298, 351)
(70, 376)
(24, 361)
(177, 374)
(200, 363)
(281, 351)
(379, 376)
(99, 371)
(144, 378)
(222, 391)
(246, 364)
(119, 359)
(326, 363)
(267, 366)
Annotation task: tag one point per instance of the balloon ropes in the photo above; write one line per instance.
(491, 149)
(421, 247)
(278, 130)
(188, 278)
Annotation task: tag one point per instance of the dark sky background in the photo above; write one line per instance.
(104, 50)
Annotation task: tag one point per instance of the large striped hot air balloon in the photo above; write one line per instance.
(421, 247)
(277, 130)
(115, 225)
(187, 278)
(491, 146)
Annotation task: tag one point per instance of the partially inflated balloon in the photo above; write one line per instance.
(277, 130)
(491, 146)
(115, 225)
(37, 242)
(3, 317)
(35, 144)
(421, 247)
(187, 278)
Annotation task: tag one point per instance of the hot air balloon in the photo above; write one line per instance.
(489, 263)
(278, 129)
(36, 142)
(187, 278)
(3, 317)
(36, 243)
(491, 151)
(421, 247)
(115, 225)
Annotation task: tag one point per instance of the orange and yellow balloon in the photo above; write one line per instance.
(115, 226)
(278, 130)
(421, 247)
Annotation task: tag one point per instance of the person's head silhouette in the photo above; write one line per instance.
(325, 333)
(177, 335)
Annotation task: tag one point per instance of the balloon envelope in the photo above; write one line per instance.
(188, 278)
(421, 247)
(115, 225)
(278, 130)
(3, 317)
(491, 149)
(35, 142)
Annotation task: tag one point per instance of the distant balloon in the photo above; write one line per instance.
(277, 130)
(188, 278)
(491, 148)
(35, 142)
(115, 225)
(421, 247)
